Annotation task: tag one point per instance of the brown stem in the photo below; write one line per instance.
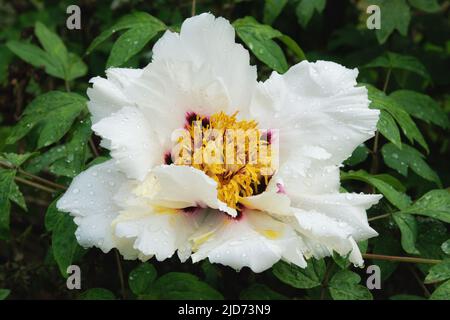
(400, 259)
(193, 8)
(34, 177)
(375, 156)
(420, 282)
(120, 272)
(386, 81)
(380, 217)
(375, 160)
(18, 90)
(33, 184)
(67, 85)
(93, 148)
(42, 180)
(325, 280)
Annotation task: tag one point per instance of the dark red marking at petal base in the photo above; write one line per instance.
(280, 188)
(168, 158)
(191, 117)
(205, 122)
(269, 136)
(190, 209)
(239, 216)
(240, 213)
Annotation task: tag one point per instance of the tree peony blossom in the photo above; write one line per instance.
(161, 194)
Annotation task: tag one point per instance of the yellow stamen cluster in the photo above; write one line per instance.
(232, 152)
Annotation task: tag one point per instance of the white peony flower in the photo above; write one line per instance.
(151, 200)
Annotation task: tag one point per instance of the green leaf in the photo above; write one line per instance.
(73, 159)
(421, 106)
(431, 233)
(54, 112)
(17, 197)
(297, 277)
(68, 159)
(408, 229)
(388, 128)
(258, 37)
(52, 44)
(391, 181)
(4, 293)
(395, 15)
(442, 292)
(408, 157)
(129, 21)
(380, 101)
(386, 245)
(5, 60)
(391, 60)
(293, 46)
(272, 9)
(359, 155)
(260, 292)
(398, 199)
(429, 6)
(14, 159)
(183, 286)
(212, 273)
(434, 204)
(52, 216)
(141, 279)
(55, 58)
(345, 286)
(36, 57)
(97, 294)
(305, 10)
(46, 159)
(446, 247)
(439, 272)
(6, 183)
(64, 243)
(76, 67)
(129, 44)
(141, 26)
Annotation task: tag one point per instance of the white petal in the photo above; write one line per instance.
(347, 208)
(300, 177)
(123, 77)
(208, 41)
(90, 200)
(157, 231)
(316, 105)
(131, 140)
(178, 187)
(325, 235)
(314, 248)
(255, 240)
(355, 256)
(201, 70)
(110, 95)
(325, 230)
(127, 250)
(272, 200)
